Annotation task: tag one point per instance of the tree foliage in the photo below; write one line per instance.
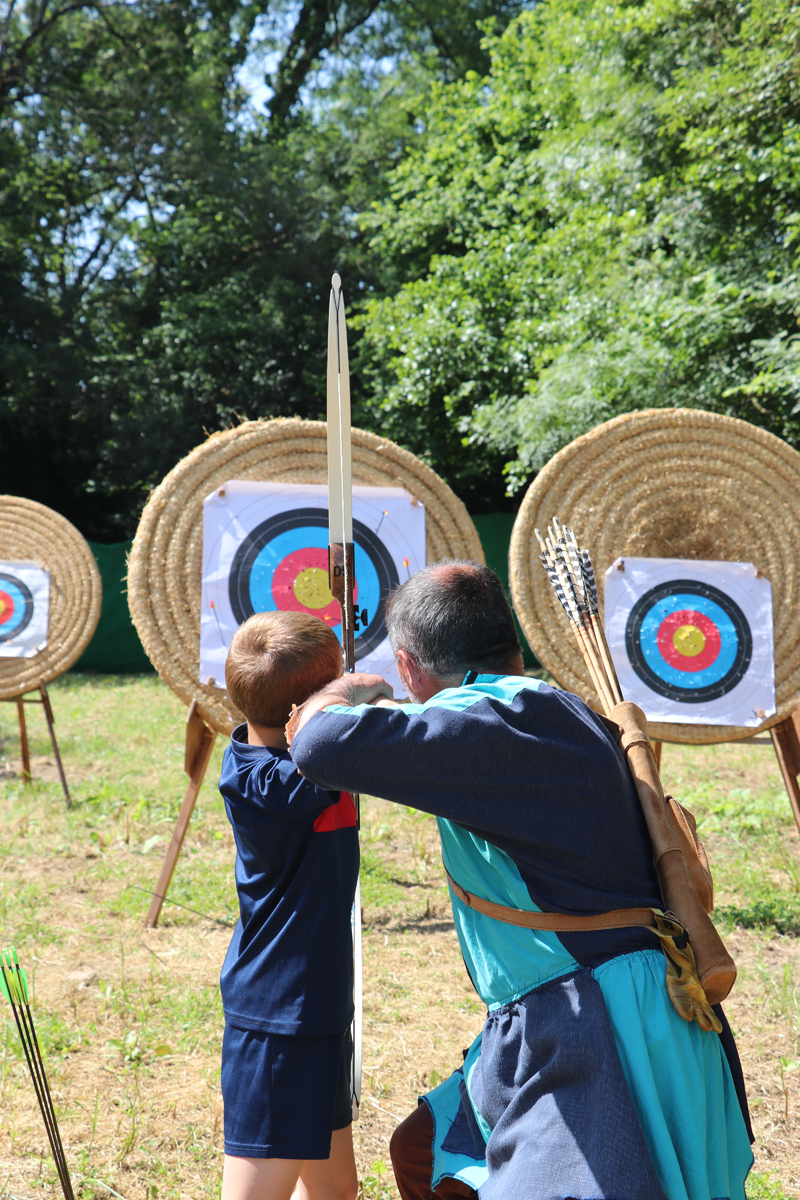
(107, 109)
(550, 213)
(606, 220)
(165, 249)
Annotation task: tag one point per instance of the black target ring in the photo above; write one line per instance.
(638, 641)
(303, 518)
(16, 585)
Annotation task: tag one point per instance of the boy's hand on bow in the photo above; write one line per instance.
(351, 690)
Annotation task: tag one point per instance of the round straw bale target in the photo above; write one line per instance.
(30, 532)
(164, 571)
(667, 483)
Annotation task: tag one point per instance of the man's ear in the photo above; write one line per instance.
(409, 672)
(419, 685)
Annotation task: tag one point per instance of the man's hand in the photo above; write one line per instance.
(349, 689)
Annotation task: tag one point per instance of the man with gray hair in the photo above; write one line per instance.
(585, 1082)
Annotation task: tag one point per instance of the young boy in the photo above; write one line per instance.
(287, 980)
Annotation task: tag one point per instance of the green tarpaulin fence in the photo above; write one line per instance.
(494, 530)
(116, 649)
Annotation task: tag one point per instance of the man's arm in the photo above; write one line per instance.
(350, 690)
(487, 766)
(434, 760)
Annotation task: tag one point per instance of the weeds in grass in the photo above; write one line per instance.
(754, 861)
(780, 996)
(773, 909)
(89, 1181)
(125, 792)
(762, 1187)
(377, 1085)
(55, 1036)
(737, 812)
(373, 1186)
(787, 1065)
(129, 1140)
(378, 888)
(423, 826)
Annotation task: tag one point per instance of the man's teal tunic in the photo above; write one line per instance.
(585, 1082)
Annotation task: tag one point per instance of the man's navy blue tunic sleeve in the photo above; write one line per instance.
(527, 767)
(490, 763)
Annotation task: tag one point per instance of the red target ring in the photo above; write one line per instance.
(300, 584)
(7, 607)
(689, 640)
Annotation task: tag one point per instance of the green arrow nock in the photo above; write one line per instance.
(13, 980)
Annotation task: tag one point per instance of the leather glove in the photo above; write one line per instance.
(684, 987)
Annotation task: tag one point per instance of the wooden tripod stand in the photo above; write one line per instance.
(785, 738)
(28, 698)
(200, 740)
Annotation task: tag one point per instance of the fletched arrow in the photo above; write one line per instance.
(341, 573)
(569, 569)
(14, 986)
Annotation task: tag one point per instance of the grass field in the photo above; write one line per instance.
(131, 1021)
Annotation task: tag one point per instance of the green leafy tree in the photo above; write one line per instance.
(105, 108)
(165, 250)
(607, 220)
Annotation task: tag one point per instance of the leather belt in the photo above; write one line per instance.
(618, 918)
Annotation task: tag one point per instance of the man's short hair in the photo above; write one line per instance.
(278, 659)
(453, 617)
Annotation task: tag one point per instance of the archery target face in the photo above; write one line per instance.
(265, 548)
(24, 609)
(692, 641)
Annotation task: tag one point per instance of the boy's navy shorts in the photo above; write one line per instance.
(284, 1096)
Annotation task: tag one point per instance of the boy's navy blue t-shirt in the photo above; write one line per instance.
(289, 967)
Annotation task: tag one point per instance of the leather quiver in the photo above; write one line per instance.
(670, 830)
(684, 827)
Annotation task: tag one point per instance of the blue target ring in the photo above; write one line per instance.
(16, 606)
(301, 538)
(262, 572)
(674, 676)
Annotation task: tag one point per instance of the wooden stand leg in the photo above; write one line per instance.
(48, 712)
(23, 743)
(657, 751)
(199, 744)
(787, 749)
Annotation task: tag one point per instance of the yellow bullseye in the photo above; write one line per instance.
(2, 608)
(311, 588)
(689, 640)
